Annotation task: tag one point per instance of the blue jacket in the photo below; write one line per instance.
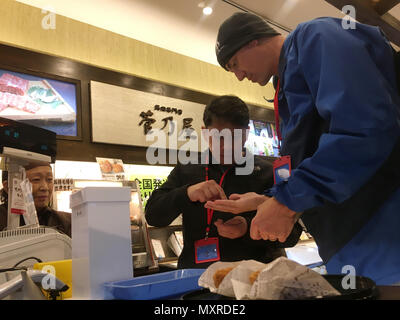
(340, 122)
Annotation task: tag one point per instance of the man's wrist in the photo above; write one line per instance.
(289, 212)
(261, 199)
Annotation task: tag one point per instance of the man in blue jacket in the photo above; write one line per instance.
(339, 110)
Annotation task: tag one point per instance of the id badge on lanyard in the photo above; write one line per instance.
(282, 169)
(207, 249)
(282, 166)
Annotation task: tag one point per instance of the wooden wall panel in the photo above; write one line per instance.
(21, 60)
(21, 26)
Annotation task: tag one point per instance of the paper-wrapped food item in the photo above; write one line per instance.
(217, 278)
(281, 279)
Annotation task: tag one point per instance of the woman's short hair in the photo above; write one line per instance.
(33, 165)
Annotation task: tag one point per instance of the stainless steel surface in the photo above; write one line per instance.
(139, 260)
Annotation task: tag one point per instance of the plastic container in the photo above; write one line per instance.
(101, 240)
(157, 286)
(63, 269)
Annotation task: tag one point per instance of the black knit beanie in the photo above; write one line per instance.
(237, 31)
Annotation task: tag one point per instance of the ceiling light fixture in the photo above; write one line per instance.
(207, 9)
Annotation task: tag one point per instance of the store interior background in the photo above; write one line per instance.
(169, 42)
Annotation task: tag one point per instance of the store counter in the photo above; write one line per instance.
(389, 292)
(185, 282)
(383, 293)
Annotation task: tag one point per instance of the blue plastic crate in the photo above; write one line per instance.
(156, 286)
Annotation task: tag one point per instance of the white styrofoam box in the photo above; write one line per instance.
(101, 240)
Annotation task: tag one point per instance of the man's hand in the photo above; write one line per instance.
(233, 228)
(205, 191)
(237, 203)
(273, 221)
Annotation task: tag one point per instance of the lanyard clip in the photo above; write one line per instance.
(207, 232)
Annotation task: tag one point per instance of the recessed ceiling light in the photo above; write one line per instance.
(207, 11)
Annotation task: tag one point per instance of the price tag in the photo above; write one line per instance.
(17, 198)
(111, 169)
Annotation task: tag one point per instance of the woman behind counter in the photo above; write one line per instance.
(41, 177)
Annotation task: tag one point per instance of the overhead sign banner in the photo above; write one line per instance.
(136, 118)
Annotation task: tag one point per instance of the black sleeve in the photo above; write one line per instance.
(167, 202)
(65, 222)
(293, 238)
(3, 218)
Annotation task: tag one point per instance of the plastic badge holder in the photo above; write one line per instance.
(156, 286)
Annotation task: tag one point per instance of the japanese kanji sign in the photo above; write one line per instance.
(127, 116)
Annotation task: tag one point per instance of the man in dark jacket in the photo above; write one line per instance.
(189, 186)
(41, 177)
(338, 102)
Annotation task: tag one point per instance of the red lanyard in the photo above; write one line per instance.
(210, 212)
(276, 108)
